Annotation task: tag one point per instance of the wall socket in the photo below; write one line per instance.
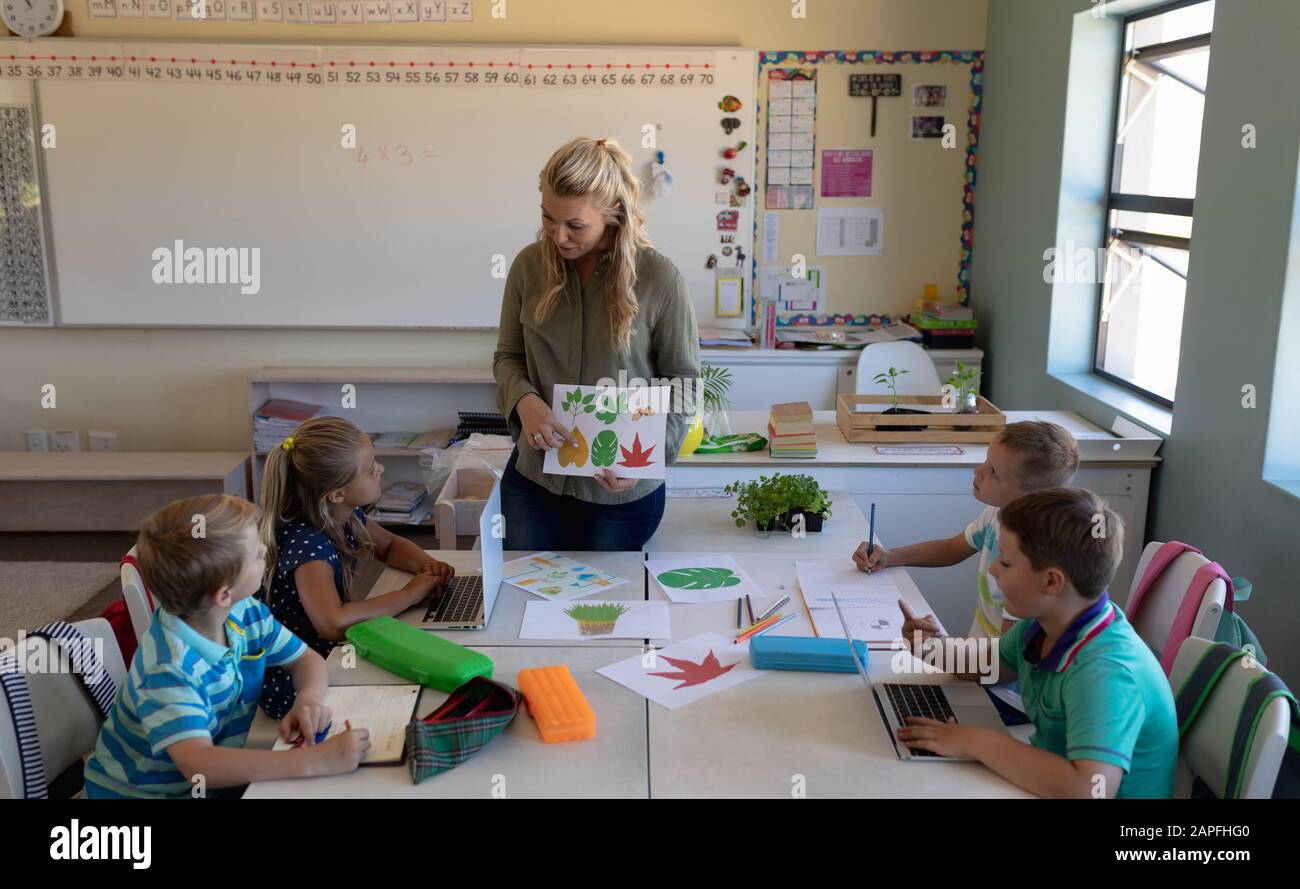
(38, 440)
(102, 441)
(67, 440)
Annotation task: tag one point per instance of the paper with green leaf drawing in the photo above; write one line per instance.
(617, 429)
(703, 577)
(596, 620)
(557, 578)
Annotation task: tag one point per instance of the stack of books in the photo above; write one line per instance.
(404, 502)
(790, 430)
(277, 418)
(483, 422)
(720, 338)
(946, 325)
(411, 441)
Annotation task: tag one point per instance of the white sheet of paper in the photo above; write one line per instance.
(778, 89)
(803, 89)
(383, 710)
(801, 175)
(780, 106)
(802, 106)
(778, 175)
(869, 601)
(801, 159)
(778, 158)
(596, 619)
(771, 236)
(629, 442)
(779, 123)
(779, 141)
(801, 123)
(801, 141)
(685, 671)
(850, 231)
(558, 578)
(703, 577)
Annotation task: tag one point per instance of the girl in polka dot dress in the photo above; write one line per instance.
(314, 491)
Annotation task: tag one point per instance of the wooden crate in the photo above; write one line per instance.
(460, 504)
(874, 426)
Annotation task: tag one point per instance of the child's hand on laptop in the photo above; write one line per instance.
(438, 569)
(422, 586)
(878, 559)
(944, 738)
(927, 626)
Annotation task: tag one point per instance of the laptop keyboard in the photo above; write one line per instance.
(927, 701)
(461, 601)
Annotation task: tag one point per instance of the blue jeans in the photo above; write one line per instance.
(537, 520)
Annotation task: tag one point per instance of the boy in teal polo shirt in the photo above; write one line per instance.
(179, 721)
(1099, 701)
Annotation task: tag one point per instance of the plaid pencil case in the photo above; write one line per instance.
(475, 713)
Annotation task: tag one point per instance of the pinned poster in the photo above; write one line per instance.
(846, 172)
(621, 430)
(685, 671)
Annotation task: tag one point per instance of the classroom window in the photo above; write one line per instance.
(1154, 161)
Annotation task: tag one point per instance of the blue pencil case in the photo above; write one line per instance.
(816, 653)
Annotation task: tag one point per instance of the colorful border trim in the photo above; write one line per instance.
(972, 57)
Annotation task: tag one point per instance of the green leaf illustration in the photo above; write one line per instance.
(604, 448)
(699, 578)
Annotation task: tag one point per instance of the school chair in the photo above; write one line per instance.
(1154, 602)
(1217, 745)
(139, 604)
(57, 724)
(921, 377)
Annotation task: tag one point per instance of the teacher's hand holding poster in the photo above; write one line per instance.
(620, 431)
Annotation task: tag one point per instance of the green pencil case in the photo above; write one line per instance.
(417, 655)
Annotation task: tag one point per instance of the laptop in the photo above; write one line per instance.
(968, 702)
(467, 601)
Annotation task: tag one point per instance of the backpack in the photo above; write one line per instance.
(1189, 699)
(1232, 629)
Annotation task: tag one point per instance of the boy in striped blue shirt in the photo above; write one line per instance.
(178, 723)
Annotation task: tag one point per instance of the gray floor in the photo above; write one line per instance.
(111, 546)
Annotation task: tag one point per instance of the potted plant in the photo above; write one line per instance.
(966, 388)
(717, 386)
(890, 378)
(763, 502)
(806, 498)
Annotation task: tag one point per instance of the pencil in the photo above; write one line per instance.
(739, 622)
(754, 628)
(772, 610)
(749, 606)
(871, 534)
(774, 624)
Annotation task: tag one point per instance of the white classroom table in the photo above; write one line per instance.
(815, 731)
(704, 524)
(927, 496)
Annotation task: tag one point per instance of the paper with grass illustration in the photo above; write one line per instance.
(617, 429)
(685, 671)
(703, 577)
(557, 578)
(596, 619)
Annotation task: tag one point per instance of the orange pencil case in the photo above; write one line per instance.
(556, 704)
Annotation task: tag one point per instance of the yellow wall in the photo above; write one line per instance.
(185, 389)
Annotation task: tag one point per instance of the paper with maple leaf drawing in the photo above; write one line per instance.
(617, 429)
(685, 671)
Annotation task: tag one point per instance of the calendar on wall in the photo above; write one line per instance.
(24, 286)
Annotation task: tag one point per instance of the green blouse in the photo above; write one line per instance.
(574, 346)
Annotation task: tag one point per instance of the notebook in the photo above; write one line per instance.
(383, 710)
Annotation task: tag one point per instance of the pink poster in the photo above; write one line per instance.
(846, 172)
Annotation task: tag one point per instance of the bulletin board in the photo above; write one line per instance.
(925, 186)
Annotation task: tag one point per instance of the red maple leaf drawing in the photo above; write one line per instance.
(636, 458)
(692, 673)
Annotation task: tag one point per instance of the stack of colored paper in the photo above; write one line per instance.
(790, 430)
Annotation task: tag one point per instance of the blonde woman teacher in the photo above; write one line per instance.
(591, 297)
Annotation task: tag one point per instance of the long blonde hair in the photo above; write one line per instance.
(602, 169)
(320, 456)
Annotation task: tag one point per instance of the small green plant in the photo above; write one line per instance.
(763, 501)
(890, 378)
(804, 493)
(596, 620)
(963, 380)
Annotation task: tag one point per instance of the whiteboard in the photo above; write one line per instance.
(415, 227)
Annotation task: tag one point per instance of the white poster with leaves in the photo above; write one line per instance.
(617, 429)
